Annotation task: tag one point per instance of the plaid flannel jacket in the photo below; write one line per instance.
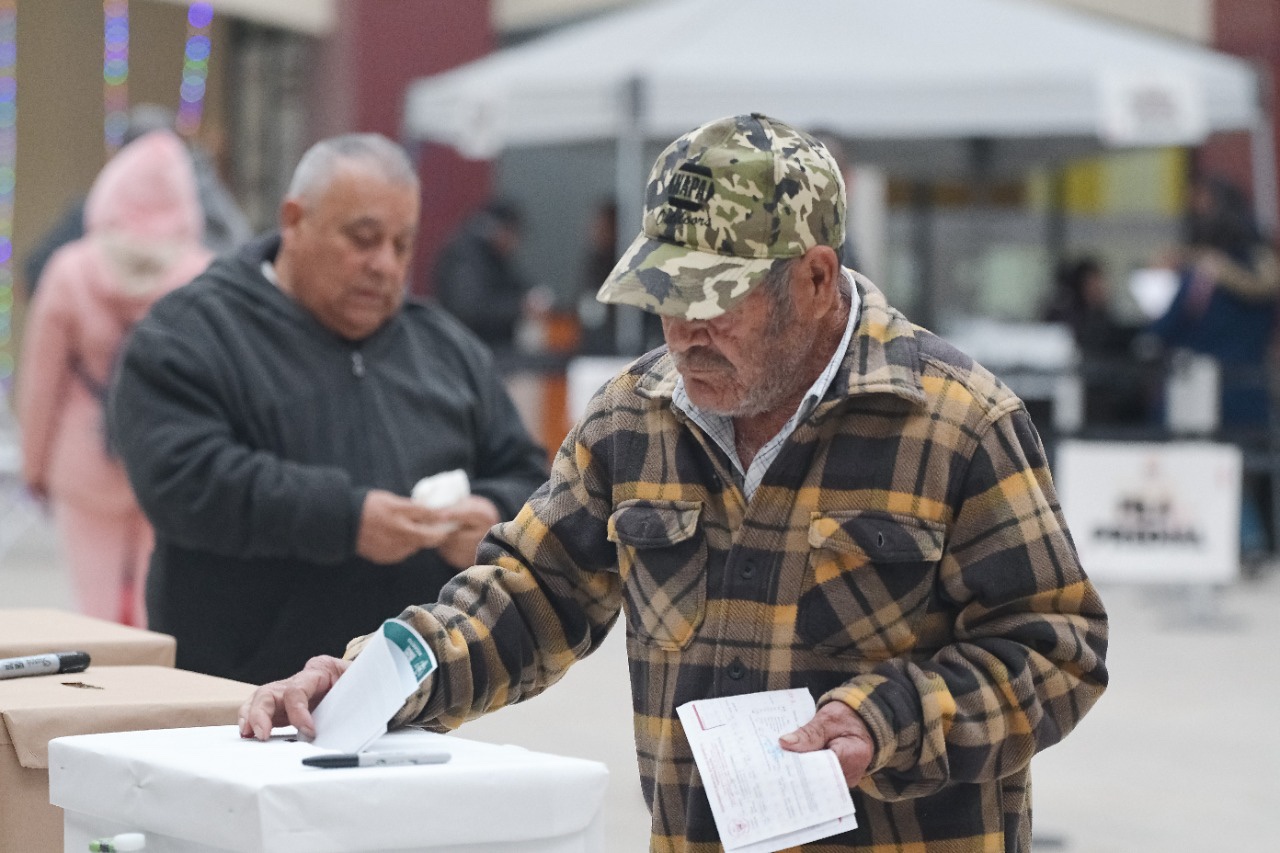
(905, 554)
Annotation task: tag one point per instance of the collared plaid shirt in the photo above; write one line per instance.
(905, 554)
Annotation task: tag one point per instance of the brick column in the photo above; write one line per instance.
(1248, 29)
(377, 49)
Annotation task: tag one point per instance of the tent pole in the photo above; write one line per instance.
(1056, 218)
(927, 299)
(629, 179)
(1262, 148)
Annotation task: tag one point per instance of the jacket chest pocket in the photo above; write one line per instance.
(662, 557)
(868, 583)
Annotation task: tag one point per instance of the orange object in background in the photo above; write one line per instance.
(561, 337)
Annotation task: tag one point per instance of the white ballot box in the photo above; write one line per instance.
(205, 790)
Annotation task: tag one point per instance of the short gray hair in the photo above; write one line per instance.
(775, 281)
(323, 160)
(775, 286)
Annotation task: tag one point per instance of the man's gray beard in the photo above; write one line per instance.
(786, 357)
(777, 384)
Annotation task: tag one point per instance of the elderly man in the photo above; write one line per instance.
(275, 414)
(801, 490)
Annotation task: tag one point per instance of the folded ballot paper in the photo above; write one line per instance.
(442, 490)
(385, 673)
(764, 798)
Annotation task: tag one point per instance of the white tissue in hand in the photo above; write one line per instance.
(441, 490)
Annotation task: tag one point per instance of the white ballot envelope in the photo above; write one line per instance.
(385, 673)
(764, 798)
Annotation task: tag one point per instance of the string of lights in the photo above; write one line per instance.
(195, 68)
(8, 156)
(115, 71)
(115, 81)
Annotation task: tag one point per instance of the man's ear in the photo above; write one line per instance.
(290, 213)
(821, 277)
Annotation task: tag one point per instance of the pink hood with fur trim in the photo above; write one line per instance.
(143, 225)
(148, 191)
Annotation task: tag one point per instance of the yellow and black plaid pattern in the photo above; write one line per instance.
(904, 554)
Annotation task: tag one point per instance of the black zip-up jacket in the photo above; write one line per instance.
(251, 435)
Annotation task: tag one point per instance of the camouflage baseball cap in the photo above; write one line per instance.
(722, 204)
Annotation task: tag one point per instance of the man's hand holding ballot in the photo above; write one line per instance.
(835, 727)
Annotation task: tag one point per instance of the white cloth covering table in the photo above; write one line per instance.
(205, 790)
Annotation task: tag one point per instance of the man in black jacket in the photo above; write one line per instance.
(477, 281)
(274, 414)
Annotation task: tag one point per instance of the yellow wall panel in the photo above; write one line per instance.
(1084, 187)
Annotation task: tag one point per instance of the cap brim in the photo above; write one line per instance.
(676, 281)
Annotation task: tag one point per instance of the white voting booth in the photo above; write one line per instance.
(1153, 513)
(205, 790)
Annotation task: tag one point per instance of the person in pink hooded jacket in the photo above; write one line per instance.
(143, 225)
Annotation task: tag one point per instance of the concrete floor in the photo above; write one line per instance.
(1180, 755)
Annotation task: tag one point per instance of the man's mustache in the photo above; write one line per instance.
(701, 359)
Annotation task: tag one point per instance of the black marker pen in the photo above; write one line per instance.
(375, 759)
(44, 664)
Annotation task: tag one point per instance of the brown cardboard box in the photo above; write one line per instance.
(38, 631)
(35, 709)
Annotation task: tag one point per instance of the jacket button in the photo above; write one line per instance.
(737, 670)
(748, 569)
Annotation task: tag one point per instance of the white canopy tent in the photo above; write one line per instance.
(924, 88)
(865, 69)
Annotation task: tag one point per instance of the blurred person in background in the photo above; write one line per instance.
(1225, 307)
(142, 239)
(477, 280)
(599, 321)
(275, 415)
(225, 225)
(596, 320)
(1114, 387)
(1079, 301)
(801, 490)
(1225, 304)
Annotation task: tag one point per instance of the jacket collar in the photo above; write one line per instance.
(883, 357)
(261, 248)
